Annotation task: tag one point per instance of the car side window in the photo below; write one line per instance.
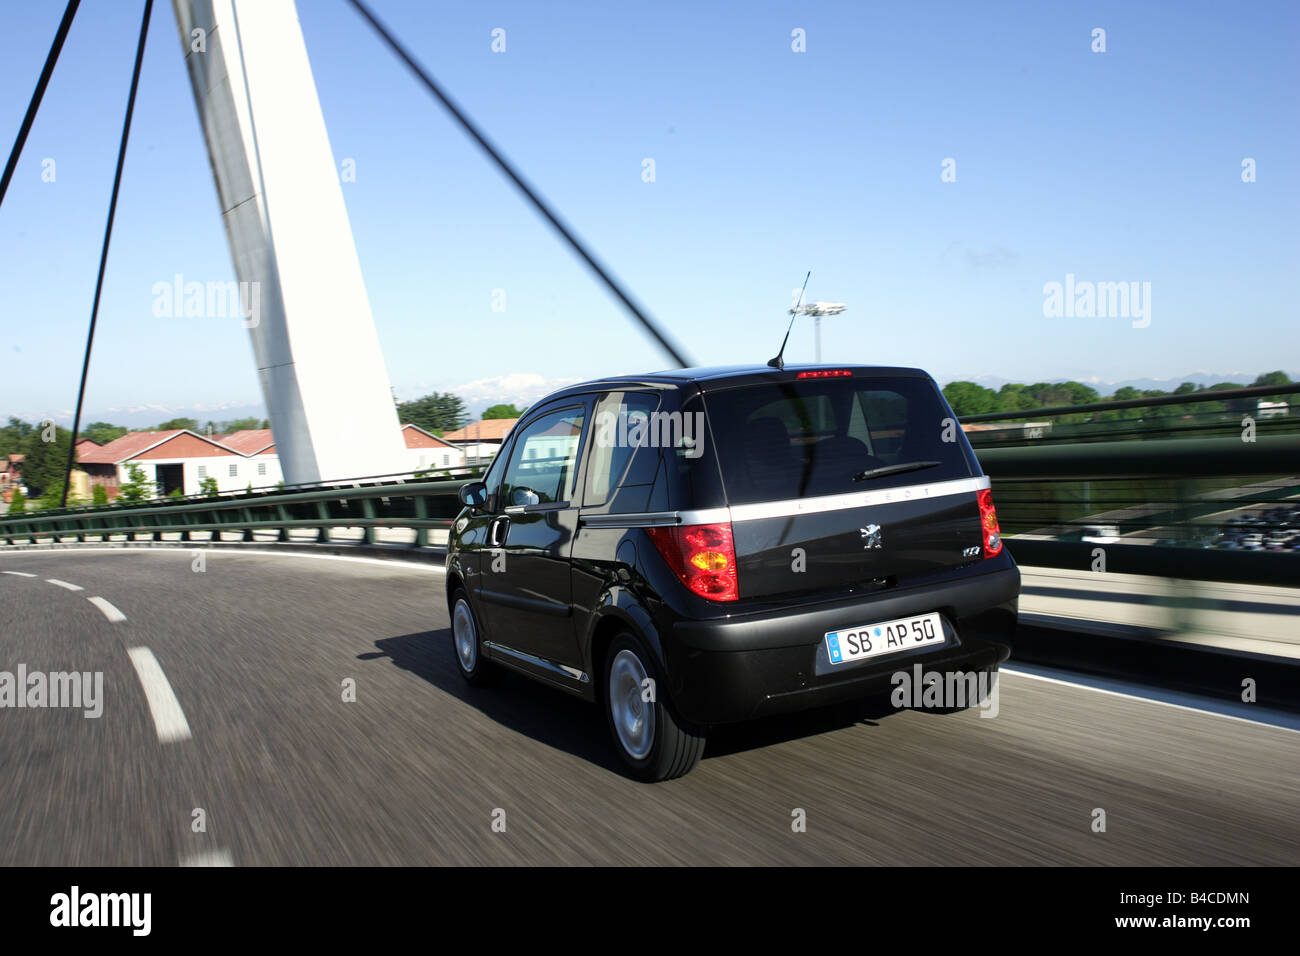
(492, 477)
(544, 462)
(624, 453)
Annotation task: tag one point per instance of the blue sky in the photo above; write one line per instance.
(1115, 166)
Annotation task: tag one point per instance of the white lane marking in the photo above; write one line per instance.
(396, 562)
(210, 858)
(19, 574)
(64, 584)
(113, 614)
(168, 717)
(1246, 713)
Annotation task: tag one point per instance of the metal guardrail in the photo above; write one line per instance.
(1268, 455)
(1274, 568)
(420, 506)
(423, 506)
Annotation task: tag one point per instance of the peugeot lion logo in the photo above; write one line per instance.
(870, 536)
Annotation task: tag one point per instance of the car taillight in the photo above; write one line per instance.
(989, 524)
(703, 556)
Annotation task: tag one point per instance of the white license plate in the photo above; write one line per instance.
(884, 637)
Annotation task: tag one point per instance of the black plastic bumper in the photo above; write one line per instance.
(750, 665)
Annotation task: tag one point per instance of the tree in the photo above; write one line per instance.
(238, 425)
(1234, 406)
(188, 423)
(102, 432)
(138, 487)
(14, 436)
(208, 486)
(45, 462)
(1272, 378)
(967, 398)
(435, 412)
(504, 411)
(1016, 398)
(53, 497)
(99, 495)
(18, 503)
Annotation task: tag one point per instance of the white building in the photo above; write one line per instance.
(177, 459)
(424, 450)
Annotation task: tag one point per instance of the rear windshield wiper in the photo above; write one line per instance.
(894, 469)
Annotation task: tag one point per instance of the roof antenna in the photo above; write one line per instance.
(778, 363)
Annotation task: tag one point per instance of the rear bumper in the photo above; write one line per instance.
(745, 666)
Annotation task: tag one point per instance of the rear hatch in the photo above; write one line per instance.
(843, 479)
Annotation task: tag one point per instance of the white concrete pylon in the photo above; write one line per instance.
(318, 357)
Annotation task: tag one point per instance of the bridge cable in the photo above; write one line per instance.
(517, 178)
(37, 95)
(108, 235)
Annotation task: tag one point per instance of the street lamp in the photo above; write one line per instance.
(817, 310)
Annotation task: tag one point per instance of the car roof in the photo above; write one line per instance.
(727, 376)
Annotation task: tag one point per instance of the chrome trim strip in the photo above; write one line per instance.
(857, 499)
(706, 516)
(645, 519)
(654, 519)
(562, 670)
(790, 506)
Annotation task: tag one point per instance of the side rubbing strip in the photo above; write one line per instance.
(857, 499)
(790, 506)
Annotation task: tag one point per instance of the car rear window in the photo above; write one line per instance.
(812, 437)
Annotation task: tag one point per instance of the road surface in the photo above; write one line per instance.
(223, 693)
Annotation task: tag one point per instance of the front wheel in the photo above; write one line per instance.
(465, 642)
(653, 741)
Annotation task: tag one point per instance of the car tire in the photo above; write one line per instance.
(653, 741)
(466, 643)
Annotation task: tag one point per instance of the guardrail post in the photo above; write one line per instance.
(421, 513)
(283, 514)
(323, 532)
(368, 531)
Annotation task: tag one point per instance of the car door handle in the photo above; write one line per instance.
(497, 531)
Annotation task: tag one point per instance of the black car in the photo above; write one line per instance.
(703, 546)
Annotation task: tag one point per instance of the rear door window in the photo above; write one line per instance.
(624, 458)
(823, 437)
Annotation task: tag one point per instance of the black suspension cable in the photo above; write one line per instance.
(108, 235)
(552, 217)
(37, 96)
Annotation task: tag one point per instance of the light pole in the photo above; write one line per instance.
(817, 310)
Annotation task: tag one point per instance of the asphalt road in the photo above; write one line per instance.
(256, 649)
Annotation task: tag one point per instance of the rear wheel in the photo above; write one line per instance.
(653, 741)
(465, 644)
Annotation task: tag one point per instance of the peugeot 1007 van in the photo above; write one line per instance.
(703, 546)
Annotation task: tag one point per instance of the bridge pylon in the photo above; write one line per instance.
(318, 357)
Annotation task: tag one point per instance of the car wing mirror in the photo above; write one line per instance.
(473, 494)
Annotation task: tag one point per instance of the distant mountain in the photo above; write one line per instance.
(520, 389)
(144, 416)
